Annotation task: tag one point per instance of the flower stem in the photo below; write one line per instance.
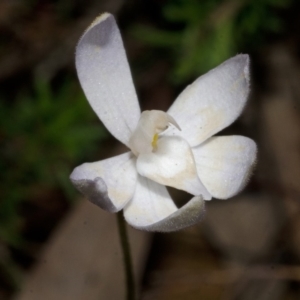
(130, 287)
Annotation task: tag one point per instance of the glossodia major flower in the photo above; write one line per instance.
(174, 148)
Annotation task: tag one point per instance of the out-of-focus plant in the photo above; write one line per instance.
(42, 136)
(205, 33)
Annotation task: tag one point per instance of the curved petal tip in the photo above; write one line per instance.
(95, 190)
(109, 183)
(188, 215)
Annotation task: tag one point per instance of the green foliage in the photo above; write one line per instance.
(42, 137)
(210, 31)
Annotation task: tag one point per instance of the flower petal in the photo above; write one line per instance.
(172, 164)
(151, 202)
(213, 101)
(224, 164)
(152, 209)
(105, 77)
(109, 183)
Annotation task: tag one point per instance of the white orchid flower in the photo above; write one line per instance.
(173, 149)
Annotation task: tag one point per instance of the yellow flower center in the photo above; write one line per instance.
(154, 141)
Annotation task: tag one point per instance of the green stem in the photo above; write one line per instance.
(130, 293)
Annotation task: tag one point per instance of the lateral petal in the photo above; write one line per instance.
(105, 77)
(152, 209)
(213, 101)
(224, 164)
(172, 164)
(109, 183)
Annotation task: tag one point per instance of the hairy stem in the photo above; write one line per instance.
(130, 286)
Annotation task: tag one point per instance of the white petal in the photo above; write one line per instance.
(109, 183)
(151, 203)
(172, 164)
(152, 209)
(224, 164)
(213, 101)
(105, 77)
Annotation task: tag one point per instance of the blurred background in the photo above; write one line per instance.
(247, 247)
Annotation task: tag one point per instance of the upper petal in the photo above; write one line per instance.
(109, 183)
(172, 164)
(105, 77)
(213, 101)
(152, 209)
(224, 164)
